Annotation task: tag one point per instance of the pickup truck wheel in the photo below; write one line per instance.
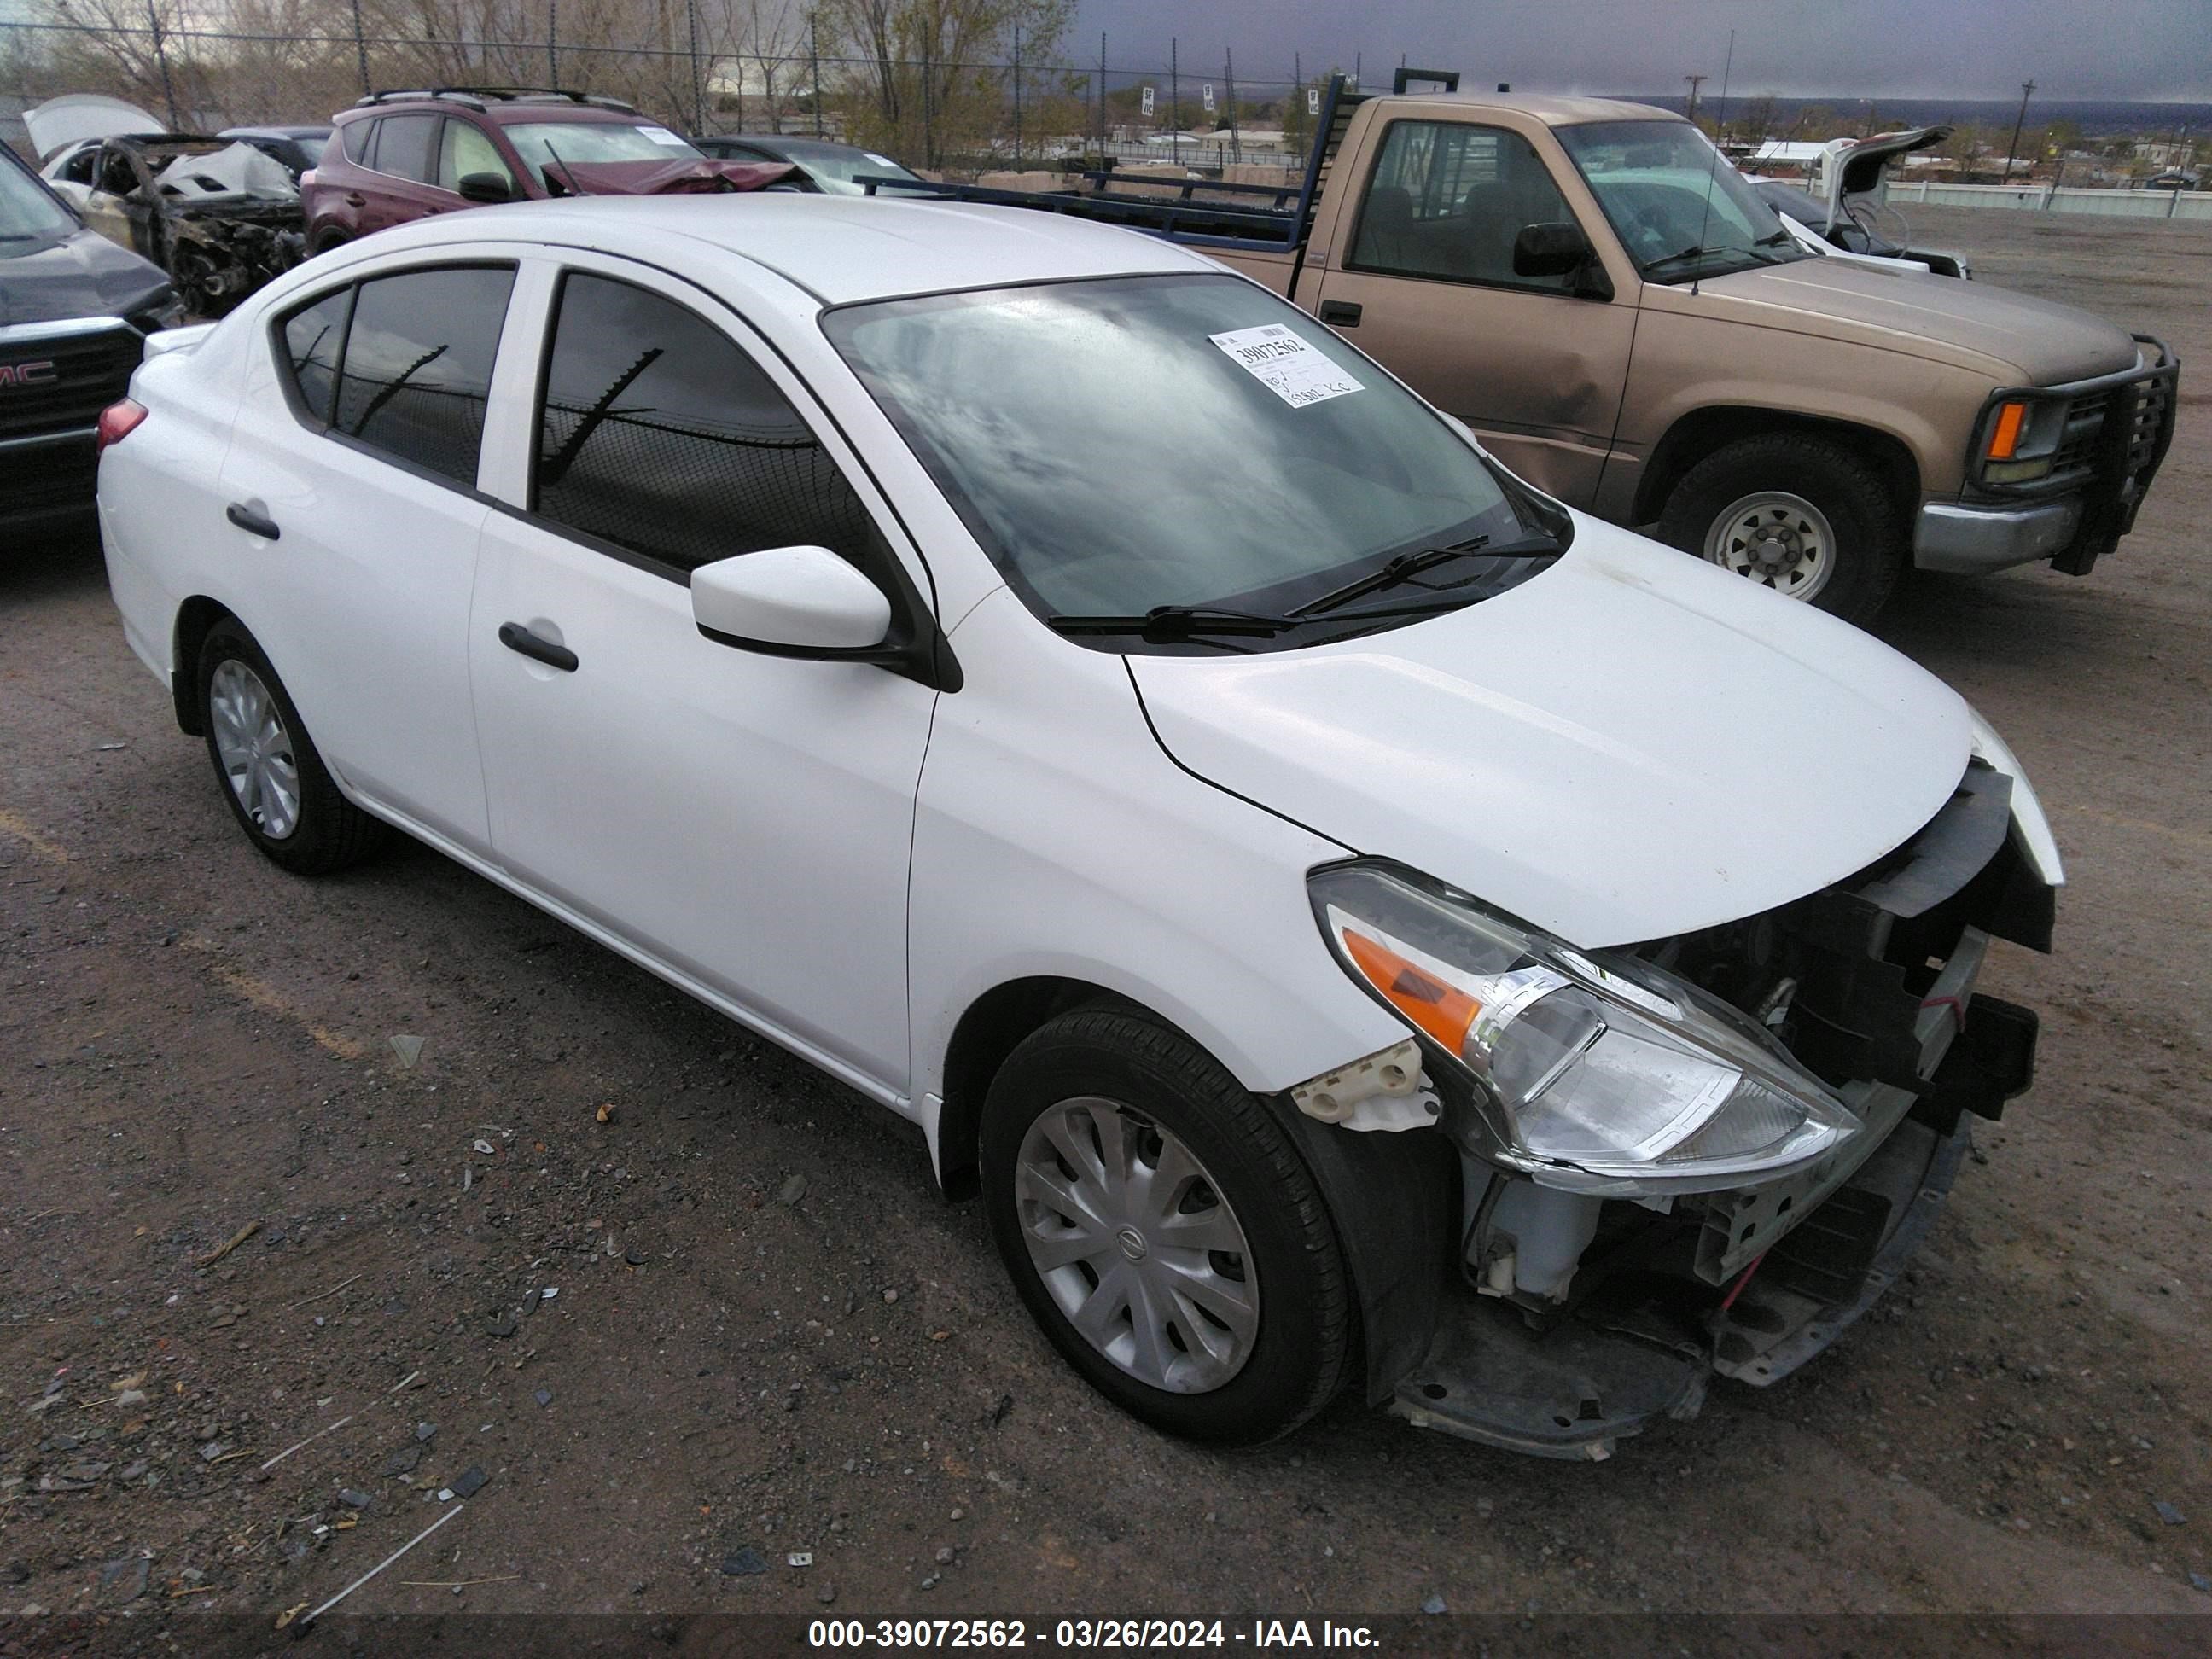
(280, 792)
(1163, 1229)
(1802, 516)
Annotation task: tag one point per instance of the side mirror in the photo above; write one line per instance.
(792, 602)
(485, 187)
(1549, 250)
(1561, 250)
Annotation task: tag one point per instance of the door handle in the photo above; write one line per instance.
(355, 198)
(515, 637)
(1340, 313)
(252, 523)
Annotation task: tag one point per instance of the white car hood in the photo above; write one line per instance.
(1631, 744)
(80, 115)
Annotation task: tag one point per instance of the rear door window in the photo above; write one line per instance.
(354, 140)
(658, 435)
(406, 145)
(417, 369)
(314, 338)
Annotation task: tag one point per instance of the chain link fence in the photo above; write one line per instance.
(702, 66)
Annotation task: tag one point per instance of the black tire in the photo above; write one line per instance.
(1301, 1352)
(327, 832)
(1869, 539)
(327, 240)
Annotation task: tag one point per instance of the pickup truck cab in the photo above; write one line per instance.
(1623, 321)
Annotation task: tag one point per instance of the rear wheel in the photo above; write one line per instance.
(280, 792)
(1803, 517)
(1163, 1229)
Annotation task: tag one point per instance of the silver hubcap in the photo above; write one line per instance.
(256, 749)
(1137, 1246)
(1779, 540)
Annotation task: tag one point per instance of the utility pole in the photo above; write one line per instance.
(1229, 78)
(1175, 97)
(1695, 81)
(2025, 87)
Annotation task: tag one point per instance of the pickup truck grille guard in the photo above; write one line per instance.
(1870, 984)
(2117, 431)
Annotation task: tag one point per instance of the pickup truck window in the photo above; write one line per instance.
(1449, 200)
(1678, 206)
(1112, 456)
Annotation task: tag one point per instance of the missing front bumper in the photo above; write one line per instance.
(1577, 1390)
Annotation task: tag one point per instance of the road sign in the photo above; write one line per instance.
(1148, 103)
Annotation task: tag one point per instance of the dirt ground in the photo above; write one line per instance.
(771, 1336)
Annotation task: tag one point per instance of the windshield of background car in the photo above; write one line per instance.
(1678, 206)
(27, 213)
(1132, 442)
(836, 169)
(538, 142)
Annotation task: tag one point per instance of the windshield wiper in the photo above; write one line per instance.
(1165, 624)
(1406, 566)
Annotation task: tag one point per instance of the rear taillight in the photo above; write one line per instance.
(116, 422)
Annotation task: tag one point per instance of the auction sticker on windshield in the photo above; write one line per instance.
(1279, 358)
(663, 136)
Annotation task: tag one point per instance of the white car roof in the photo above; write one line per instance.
(838, 248)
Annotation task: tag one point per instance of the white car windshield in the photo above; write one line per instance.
(1679, 207)
(1181, 441)
(584, 142)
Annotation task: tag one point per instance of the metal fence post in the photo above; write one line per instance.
(161, 56)
(361, 49)
(1017, 97)
(928, 113)
(552, 40)
(1175, 99)
(698, 86)
(814, 56)
(1101, 97)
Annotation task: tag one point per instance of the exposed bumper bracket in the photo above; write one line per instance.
(1570, 1392)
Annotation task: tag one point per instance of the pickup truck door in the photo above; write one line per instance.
(1423, 282)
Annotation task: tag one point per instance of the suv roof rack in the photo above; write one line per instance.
(475, 97)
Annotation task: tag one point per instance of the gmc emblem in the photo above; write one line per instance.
(29, 375)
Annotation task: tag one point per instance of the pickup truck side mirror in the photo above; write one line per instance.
(485, 187)
(1561, 250)
(1540, 250)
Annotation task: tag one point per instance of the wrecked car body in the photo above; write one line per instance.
(1839, 212)
(221, 217)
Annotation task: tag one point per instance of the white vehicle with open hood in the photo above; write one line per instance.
(1355, 922)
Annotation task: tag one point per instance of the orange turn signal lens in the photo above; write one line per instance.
(1442, 1011)
(2005, 437)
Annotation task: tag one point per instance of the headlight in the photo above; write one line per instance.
(1606, 1076)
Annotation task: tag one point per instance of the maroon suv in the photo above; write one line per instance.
(403, 155)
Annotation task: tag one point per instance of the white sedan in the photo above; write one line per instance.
(1356, 923)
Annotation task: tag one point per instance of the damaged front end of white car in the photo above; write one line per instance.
(1705, 1153)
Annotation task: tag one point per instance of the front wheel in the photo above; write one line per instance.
(1803, 517)
(1164, 1231)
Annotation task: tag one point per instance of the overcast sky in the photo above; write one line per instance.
(2131, 48)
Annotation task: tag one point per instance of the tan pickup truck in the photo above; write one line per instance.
(1623, 322)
